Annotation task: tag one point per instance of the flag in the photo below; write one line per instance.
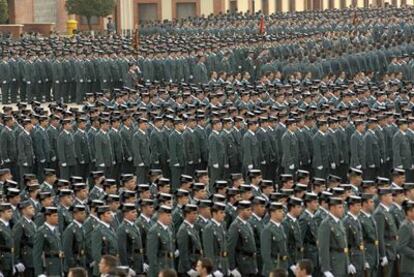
(261, 25)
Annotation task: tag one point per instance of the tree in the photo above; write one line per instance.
(4, 11)
(89, 8)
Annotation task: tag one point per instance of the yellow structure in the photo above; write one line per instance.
(129, 13)
(71, 25)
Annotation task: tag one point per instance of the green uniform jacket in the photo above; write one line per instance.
(372, 150)
(401, 151)
(215, 246)
(405, 247)
(6, 254)
(357, 149)
(74, 246)
(231, 148)
(66, 149)
(293, 240)
(192, 147)
(47, 252)
(320, 150)
(290, 147)
(144, 227)
(159, 150)
(189, 246)
(141, 148)
(387, 233)
(398, 214)
(309, 232)
(23, 234)
(25, 149)
(333, 251)
(8, 145)
(127, 134)
(355, 241)
(160, 249)
(176, 147)
(53, 135)
(274, 249)
(242, 247)
(217, 153)
(250, 150)
(103, 242)
(91, 223)
(131, 250)
(65, 218)
(370, 236)
(83, 151)
(116, 143)
(41, 145)
(103, 149)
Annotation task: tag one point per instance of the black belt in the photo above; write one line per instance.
(339, 250)
(54, 255)
(392, 238)
(168, 255)
(6, 248)
(139, 251)
(248, 254)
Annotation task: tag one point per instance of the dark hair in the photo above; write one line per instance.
(168, 273)
(207, 264)
(279, 272)
(78, 272)
(306, 265)
(110, 261)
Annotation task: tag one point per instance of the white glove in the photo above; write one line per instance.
(176, 253)
(190, 162)
(250, 166)
(42, 161)
(320, 167)
(218, 273)
(131, 272)
(384, 261)
(358, 166)
(372, 166)
(226, 166)
(53, 159)
(42, 275)
(157, 162)
(7, 160)
(400, 166)
(1, 274)
(264, 162)
(292, 166)
(177, 165)
(82, 162)
(382, 161)
(25, 164)
(192, 273)
(102, 165)
(236, 273)
(146, 267)
(333, 165)
(351, 269)
(216, 165)
(129, 159)
(20, 267)
(366, 266)
(114, 163)
(293, 268)
(328, 274)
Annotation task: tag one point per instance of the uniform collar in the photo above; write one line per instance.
(165, 227)
(51, 227)
(291, 217)
(275, 223)
(385, 207)
(7, 224)
(334, 217)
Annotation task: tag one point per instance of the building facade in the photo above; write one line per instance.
(129, 13)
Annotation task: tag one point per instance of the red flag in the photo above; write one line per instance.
(262, 25)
